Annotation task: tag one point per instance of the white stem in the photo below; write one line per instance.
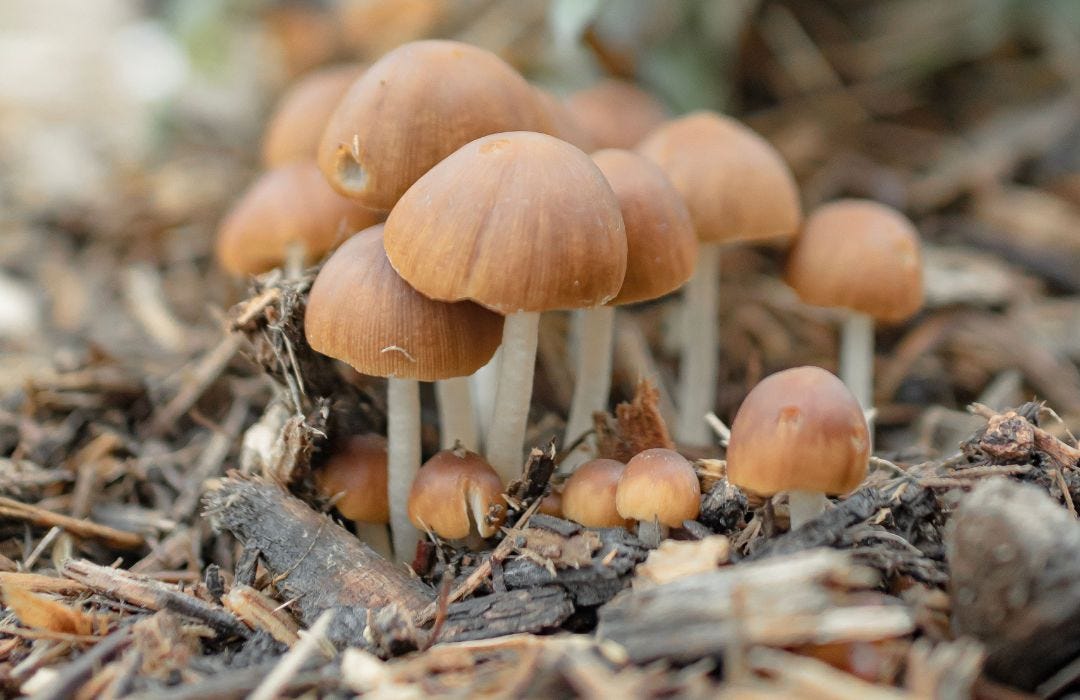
(592, 379)
(511, 412)
(699, 368)
(804, 506)
(483, 383)
(295, 255)
(457, 420)
(376, 536)
(857, 357)
(403, 460)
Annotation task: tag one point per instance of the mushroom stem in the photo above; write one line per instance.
(483, 383)
(592, 380)
(698, 371)
(804, 506)
(512, 396)
(403, 459)
(295, 254)
(376, 536)
(857, 357)
(651, 532)
(457, 420)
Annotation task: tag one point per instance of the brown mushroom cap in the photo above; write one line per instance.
(800, 429)
(358, 468)
(515, 222)
(562, 124)
(616, 114)
(551, 504)
(454, 490)
(735, 184)
(661, 247)
(297, 122)
(589, 494)
(359, 311)
(659, 484)
(415, 106)
(290, 204)
(858, 255)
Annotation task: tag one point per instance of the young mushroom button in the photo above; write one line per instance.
(660, 490)
(355, 475)
(457, 493)
(589, 494)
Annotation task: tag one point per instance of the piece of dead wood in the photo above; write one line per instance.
(40, 583)
(39, 612)
(260, 611)
(1011, 438)
(534, 610)
(638, 426)
(210, 461)
(10, 508)
(194, 383)
(71, 677)
(675, 559)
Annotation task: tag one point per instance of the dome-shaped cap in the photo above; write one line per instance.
(415, 106)
(589, 494)
(298, 120)
(290, 204)
(562, 124)
(661, 248)
(615, 113)
(800, 429)
(516, 222)
(659, 484)
(359, 311)
(735, 184)
(453, 491)
(357, 469)
(859, 255)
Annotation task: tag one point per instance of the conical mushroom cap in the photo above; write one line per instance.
(615, 113)
(290, 204)
(859, 255)
(295, 128)
(415, 106)
(515, 222)
(359, 311)
(735, 184)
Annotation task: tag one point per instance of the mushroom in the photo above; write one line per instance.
(415, 106)
(561, 123)
(615, 113)
(361, 312)
(589, 494)
(661, 250)
(457, 494)
(799, 431)
(737, 188)
(298, 120)
(288, 216)
(354, 479)
(659, 490)
(519, 223)
(864, 257)
(551, 504)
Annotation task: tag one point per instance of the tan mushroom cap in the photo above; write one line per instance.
(516, 222)
(290, 204)
(659, 484)
(415, 106)
(799, 430)
(859, 255)
(359, 311)
(561, 123)
(358, 469)
(661, 248)
(298, 120)
(455, 490)
(735, 184)
(615, 113)
(589, 494)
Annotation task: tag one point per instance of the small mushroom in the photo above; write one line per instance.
(589, 494)
(561, 123)
(799, 431)
(659, 490)
(354, 478)
(457, 494)
(297, 122)
(615, 113)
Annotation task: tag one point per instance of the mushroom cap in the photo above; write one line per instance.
(358, 468)
(661, 248)
(290, 204)
(561, 123)
(298, 120)
(453, 491)
(516, 222)
(659, 484)
(859, 255)
(799, 430)
(359, 311)
(735, 184)
(615, 113)
(415, 106)
(551, 504)
(589, 494)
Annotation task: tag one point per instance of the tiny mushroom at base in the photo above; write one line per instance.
(660, 490)
(354, 478)
(589, 494)
(457, 493)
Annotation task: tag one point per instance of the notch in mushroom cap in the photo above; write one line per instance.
(290, 205)
(415, 106)
(615, 113)
(457, 492)
(799, 431)
(589, 494)
(660, 490)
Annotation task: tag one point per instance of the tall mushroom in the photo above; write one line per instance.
(737, 188)
(661, 250)
(864, 257)
(799, 431)
(520, 223)
(362, 313)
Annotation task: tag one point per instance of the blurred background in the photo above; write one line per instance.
(127, 128)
